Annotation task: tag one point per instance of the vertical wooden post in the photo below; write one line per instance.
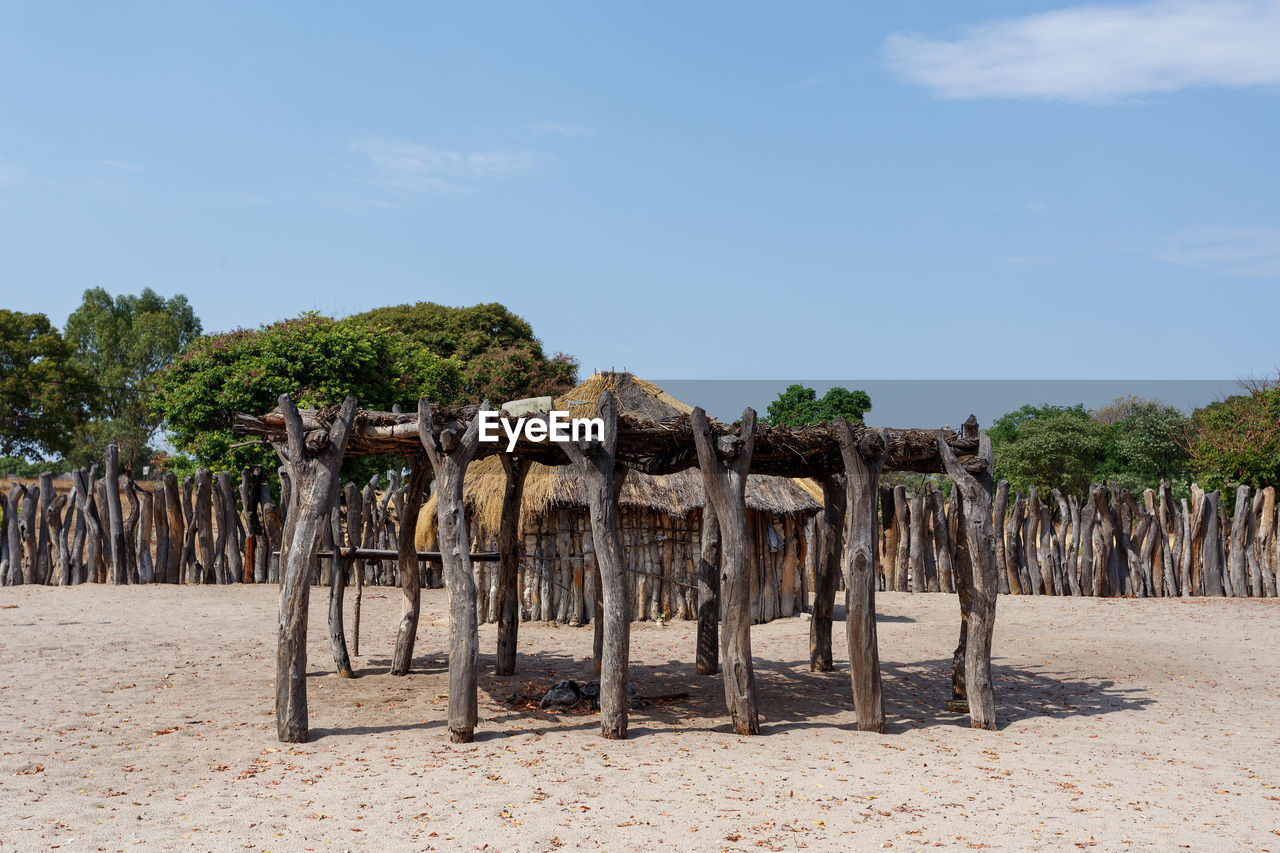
(594, 462)
(338, 575)
(901, 523)
(1008, 571)
(863, 456)
(407, 563)
(13, 537)
(975, 506)
(202, 520)
(85, 488)
(917, 524)
(115, 517)
(131, 529)
(516, 470)
(45, 545)
(160, 523)
(1211, 553)
(945, 548)
(707, 655)
(725, 462)
(177, 528)
(450, 454)
(314, 461)
(146, 566)
(826, 574)
(1237, 562)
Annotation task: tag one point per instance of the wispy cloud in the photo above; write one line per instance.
(1099, 53)
(424, 168)
(1253, 252)
(558, 128)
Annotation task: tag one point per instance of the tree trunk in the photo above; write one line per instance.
(827, 570)
(725, 462)
(1103, 582)
(45, 546)
(131, 530)
(863, 460)
(918, 524)
(85, 488)
(29, 529)
(160, 523)
(1238, 565)
(515, 470)
(338, 575)
(314, 471)
(1019, 579)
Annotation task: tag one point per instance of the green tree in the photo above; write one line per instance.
(1146, 443)
(123, 342)
(42, 389)
(1048, 447)
(1236, 441)
(316, 359)
(799, 405)
(496, 351)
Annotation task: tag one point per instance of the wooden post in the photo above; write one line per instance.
(916, 525)
(177, 528)
(863, 457)
(131, 529)
(407, 563)
(45, 545)
(29, 529)
(516, 470)
(115, 517)
(314, 461)
(338, 576)
(85, 488)
(1237, 564)
(146, 567)
(980, 537)
(944, 547)
(901, 523)
(707, 655)
(450, 454)
(355, 536)
(1211, 553)
(160, 523)
(1030, 543)
(725, 462)
(1008, 568)
(594, 462)
(202, 519)
(826, 574)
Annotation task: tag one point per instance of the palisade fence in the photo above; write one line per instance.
(211, 529)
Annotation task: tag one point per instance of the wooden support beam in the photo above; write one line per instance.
(516, 470)
(450, 453)
(594, 462)
(980, 538)
(725, 461)
(863, 456)
(313, 460)
(826, 571)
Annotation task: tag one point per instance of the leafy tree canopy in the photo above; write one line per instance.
(1147, 442)
(498, 356)
(42, 390)
(315, 359)
(1237, 440)
(800, 404)
(1057, 449)
(123, 342)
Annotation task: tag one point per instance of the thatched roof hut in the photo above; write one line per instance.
(663, 510)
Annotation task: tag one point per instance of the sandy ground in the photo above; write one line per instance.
(142, 717)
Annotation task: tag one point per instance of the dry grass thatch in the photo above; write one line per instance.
(548, 488)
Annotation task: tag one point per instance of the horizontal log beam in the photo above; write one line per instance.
(650, 447)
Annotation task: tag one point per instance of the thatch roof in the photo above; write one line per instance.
(548, 488)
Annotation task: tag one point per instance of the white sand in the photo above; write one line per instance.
(1125, 725)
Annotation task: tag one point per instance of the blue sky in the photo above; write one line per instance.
(718, 190)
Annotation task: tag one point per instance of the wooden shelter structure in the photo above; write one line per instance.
(660, 524)
(846, 459)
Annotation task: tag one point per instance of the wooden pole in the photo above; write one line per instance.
(407, 563)
(160, 523)
(594, 462)
(863, 461)
(707, 654)
(314, 469)
(826, 575)
(975, 506)
(202, 519)
(944, 547)
(515, 470)
(115, 517)
(146, 566)
(338, 581)
(725, 463)
(450, 454)
(1008, 568)
(177, 528)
